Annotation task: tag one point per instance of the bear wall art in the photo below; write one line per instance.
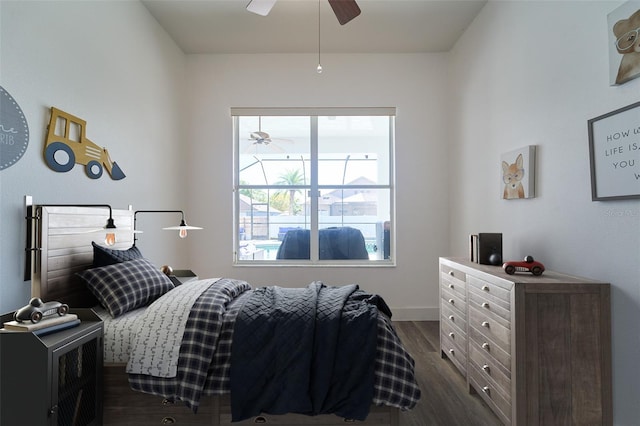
(624, 43)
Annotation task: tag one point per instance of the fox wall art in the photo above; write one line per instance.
(518, 173)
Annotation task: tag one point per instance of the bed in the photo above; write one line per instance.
(168, 352)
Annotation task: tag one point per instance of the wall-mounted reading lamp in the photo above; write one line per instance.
(109, 228)
(33, 214)
(182, 228)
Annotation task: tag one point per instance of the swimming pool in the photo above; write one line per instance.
(270, 248)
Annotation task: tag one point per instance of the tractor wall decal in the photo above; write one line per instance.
(67, 145)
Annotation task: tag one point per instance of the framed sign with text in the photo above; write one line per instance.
(614, 151)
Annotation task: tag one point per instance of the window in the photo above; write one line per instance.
(313, 186)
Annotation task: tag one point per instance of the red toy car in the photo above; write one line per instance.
(528, 265)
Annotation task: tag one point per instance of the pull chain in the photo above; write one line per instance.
(319, 68)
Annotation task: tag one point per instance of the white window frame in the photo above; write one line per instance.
(314, 113)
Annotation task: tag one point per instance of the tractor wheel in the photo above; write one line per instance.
(50, 157)
(93, 169)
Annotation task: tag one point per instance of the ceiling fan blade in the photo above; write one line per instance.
(260, 7)
(345, 10)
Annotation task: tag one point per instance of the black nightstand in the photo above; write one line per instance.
(181, 276)
(57, 376)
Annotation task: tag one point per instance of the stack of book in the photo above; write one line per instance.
(45, 326)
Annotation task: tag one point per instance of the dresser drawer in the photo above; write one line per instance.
(452, 331)
(378, 416)
(490, 327)
(485, 287)
(453, 273)
(492, 396)
(454, 285)
(490, 311)
(125, 407)
(489, 304)
(488, 367)
(148, 410)
(452, 315)
(488, 346)
(455, 353)
(454, 301)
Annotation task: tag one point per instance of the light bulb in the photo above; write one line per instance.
(182, 233)
(110, 239)
(319, 69)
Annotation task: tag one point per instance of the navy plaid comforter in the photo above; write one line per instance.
(205, 363)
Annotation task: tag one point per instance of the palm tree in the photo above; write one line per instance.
(291, 177)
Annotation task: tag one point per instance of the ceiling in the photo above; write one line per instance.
(384, 26)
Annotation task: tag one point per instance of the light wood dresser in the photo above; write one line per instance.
(536, 349)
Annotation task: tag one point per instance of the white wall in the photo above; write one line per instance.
(533, 73)
(415, 84)
(111, 64)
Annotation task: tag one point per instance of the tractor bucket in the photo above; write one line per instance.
(116, 173)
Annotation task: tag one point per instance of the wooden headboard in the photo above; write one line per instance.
(62, 237)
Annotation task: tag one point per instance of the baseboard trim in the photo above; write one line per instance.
(415, 314)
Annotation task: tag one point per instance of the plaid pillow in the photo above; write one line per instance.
(125, 286)
(103, 256)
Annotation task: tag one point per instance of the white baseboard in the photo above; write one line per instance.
(415, 314)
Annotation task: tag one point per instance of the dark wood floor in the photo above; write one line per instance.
(445, 399)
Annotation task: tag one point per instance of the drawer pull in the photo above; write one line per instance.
(168, 421)
(485, 346)
(453, 336)
(485, 305)
(450, 285)
(485, 287)
(486, 368)
(486, 390)
(260, 419)
(167, 401)
(452, 352)
(485, 324)
(452, 301)
(451, 273)
(451, 318)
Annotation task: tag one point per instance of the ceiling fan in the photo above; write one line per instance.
(260, 138)
(345, 10)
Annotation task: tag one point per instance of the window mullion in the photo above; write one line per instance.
(314, 196)
(236, 189)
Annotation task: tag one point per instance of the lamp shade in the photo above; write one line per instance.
(182, 228)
